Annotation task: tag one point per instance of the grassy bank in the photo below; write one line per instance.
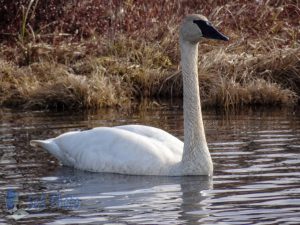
(132, 53)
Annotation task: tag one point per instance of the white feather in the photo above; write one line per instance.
(118, 150)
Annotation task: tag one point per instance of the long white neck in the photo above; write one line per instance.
(196, 159)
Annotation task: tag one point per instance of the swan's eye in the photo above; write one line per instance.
(208, 23)
(202, 23)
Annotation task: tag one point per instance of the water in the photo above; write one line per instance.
(256, 179)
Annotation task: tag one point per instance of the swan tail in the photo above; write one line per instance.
(51, 147)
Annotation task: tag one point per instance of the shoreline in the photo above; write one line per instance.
(259, 66)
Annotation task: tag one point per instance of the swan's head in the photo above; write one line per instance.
(194, 27)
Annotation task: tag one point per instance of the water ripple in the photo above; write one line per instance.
(256, 178)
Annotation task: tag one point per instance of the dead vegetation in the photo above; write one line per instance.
(131, 53)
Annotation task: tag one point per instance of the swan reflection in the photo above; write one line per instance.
(134, 199)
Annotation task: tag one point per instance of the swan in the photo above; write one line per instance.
(146, 150)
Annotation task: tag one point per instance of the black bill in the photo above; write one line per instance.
(209, 31)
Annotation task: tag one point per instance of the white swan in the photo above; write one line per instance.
(144, 150)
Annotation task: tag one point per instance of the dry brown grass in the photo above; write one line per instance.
(139, 59)
(255, 78)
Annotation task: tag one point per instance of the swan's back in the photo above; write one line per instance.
(132, 149)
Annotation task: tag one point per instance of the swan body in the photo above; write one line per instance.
(145, 150)
(131, 149)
